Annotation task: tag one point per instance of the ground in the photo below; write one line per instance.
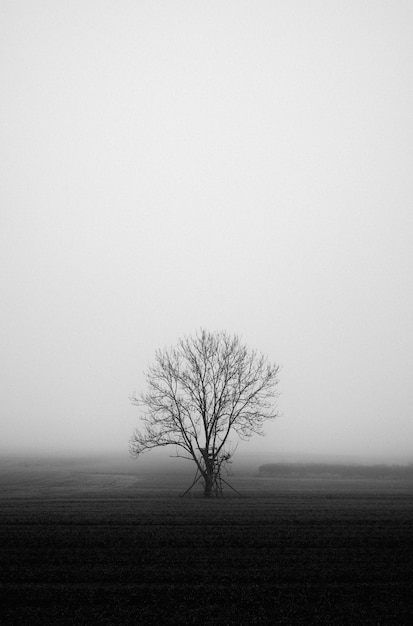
(112, 548)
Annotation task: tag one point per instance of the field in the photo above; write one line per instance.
(113, 548)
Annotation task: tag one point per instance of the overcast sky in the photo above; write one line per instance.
(236, 165)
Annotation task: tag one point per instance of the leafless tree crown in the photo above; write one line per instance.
(200, 391)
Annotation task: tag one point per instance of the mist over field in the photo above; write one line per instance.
(231, 165)
(165, 466)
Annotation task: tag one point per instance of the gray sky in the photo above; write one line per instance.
(237, 165)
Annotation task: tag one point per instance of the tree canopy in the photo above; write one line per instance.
(201, 391)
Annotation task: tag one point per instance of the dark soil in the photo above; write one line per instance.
(289, 552)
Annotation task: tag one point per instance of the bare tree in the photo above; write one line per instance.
(199, 392)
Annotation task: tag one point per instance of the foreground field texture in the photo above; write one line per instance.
(111, 549)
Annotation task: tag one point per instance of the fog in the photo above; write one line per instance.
(234, 165)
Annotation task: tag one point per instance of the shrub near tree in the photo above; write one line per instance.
(207, 388)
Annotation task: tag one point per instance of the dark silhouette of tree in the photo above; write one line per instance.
(200, 392)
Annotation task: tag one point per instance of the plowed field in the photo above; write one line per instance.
(107, 549)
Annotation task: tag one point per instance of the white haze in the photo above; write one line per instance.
(236, 165)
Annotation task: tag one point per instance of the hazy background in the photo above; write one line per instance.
(236, 165)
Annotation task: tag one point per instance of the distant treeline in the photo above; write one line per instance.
(331, 470)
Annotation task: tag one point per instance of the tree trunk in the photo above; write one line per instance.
(208, 483)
